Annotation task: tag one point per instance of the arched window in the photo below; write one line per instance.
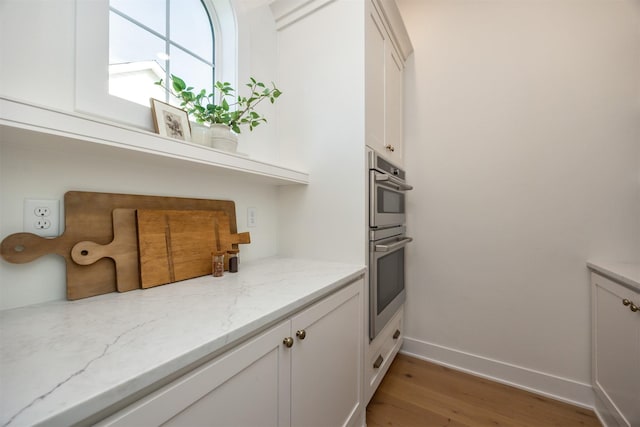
(151, 39)
(123, 46)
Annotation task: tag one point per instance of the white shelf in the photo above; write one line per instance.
(19, 115)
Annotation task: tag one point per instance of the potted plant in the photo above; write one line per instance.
(229, 113)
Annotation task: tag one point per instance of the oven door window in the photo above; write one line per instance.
(390, 269)
(389, 201)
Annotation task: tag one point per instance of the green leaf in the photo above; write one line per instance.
(178, 83)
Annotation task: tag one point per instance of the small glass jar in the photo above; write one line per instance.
(217, 264)
(233, 260)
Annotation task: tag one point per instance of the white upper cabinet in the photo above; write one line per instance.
(386, 47)
(376, 42)
(393, 87)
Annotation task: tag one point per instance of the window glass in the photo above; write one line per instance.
(133, 62)
(139, 45)
(192, 70)
(189, 27)
(142, 50)
(151, 13)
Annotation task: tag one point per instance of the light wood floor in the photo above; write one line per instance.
(419, 393)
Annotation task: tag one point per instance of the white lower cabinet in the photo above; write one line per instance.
(382, 351)
(305, 371)
(616, 351)
(326, 366)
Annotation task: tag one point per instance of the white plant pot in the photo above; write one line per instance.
(223, 138)
(200, 134)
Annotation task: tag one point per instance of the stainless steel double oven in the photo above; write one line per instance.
(387, 239)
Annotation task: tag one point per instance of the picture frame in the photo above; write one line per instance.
(170, 121)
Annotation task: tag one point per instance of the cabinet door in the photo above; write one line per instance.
(326, 366)
(248, 386)
(616, 349)
(393, 104)
(383, 89)
(375, 39)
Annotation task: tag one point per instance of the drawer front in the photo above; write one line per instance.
(382, 351)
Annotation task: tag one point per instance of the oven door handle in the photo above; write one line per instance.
(393, 246)
(393, 181)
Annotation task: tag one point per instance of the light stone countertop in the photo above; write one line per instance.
(626, 273)
(63, 361)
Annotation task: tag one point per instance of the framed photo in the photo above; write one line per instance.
(170, 121)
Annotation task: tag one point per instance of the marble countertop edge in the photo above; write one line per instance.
(627, 273)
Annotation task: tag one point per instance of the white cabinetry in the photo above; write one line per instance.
(326, 361)
(616, 351)
(381, 352)
(384, 82)
(306, 370)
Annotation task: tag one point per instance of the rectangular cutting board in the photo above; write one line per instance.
(88, 217)
(177, 245)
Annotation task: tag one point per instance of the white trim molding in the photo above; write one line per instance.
(554, 387)
(399, 35)
(286, 12)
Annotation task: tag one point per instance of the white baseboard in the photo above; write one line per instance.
(554, 387)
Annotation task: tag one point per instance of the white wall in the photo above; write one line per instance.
(321, 127)
(39, 34)
(523, 144)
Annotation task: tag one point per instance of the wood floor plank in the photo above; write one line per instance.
(419, 393)
(388, 410)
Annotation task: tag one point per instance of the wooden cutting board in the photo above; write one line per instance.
(177, 245)
(88, 217)
(123, 250)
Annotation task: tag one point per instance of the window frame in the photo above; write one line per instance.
(92, 60)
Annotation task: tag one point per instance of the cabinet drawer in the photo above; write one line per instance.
(382, 351)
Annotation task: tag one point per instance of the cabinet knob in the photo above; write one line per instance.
(396, 334)
(633, 307)
(378, 362)
(288, 342)
(626, 302)
(301, 334)
(390, 147)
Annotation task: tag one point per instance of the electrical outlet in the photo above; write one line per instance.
(42, 217)
(42, 224)
(252, 217)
